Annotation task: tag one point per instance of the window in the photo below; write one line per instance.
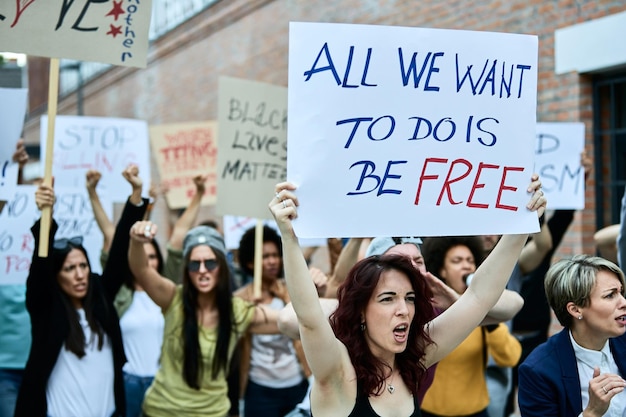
(609, 108)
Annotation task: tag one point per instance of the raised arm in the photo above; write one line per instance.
(20, 156)
(348, 256)
(536, 249)
(186, 220)
(41, 279)
(450, 328)
(116, 271)
(160, 289)
(104, 223)
(326, 356)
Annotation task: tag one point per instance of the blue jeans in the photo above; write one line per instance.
(261, 401)
(135, 388)
(10, 380)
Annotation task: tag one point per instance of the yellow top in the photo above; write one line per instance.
(169, 394)
(459, 387)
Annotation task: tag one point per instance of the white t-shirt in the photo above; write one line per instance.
(142, 332)
(83, 387)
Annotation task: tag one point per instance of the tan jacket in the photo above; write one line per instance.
(278, 289)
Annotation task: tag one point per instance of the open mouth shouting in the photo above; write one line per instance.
(401, 332)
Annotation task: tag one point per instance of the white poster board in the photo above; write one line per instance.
(73, 214)
(12, 113)
(252, 145)
(101, 143)
(557, 161)
(114, 32)
(397, 131)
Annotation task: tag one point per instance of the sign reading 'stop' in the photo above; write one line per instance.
(109, 31)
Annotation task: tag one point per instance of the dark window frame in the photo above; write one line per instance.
(609, 139)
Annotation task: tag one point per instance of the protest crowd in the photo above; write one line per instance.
(400, 258)
(186, 334)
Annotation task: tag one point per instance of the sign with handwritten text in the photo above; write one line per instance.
(73, 214)
(101, 143)
(12, 113)
(182, 151)
(110, 31)
(397, 131)
(252, 154)
(557, 161)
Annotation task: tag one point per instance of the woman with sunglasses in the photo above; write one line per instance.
(203, 322)
(75, 363)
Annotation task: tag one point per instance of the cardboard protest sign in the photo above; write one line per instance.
(252, 145)
(397, 131)
(101, 143)
(182, 151)
(557, 161)
(109, 31)
(12, 113)
(73, 214)
(236, 226)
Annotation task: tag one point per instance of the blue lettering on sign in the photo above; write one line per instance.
(412, 69)
(368, 173)
(330, 66)
(488, 78)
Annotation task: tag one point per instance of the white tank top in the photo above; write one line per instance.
(82, 387)
(273, 361)
(142, 333)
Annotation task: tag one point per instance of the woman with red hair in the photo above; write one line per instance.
(369, 359)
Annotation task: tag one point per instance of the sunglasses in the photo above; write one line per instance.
(63, 244)
(209, 265)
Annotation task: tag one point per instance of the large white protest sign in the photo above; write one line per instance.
(101, 143)
(409, 131)
(557, 161)
(73, 214)
(252, 145)
(12, 113)
(110, 31)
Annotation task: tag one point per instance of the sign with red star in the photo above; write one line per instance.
(115, 30)
(112, 31)
(117, 10)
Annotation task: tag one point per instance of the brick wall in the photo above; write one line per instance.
(249, 39)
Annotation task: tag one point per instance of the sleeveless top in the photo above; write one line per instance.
(363, 408)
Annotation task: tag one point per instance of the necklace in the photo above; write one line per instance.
(390, 386)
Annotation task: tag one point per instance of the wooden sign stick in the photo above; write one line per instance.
(46, 213)
(258, 260)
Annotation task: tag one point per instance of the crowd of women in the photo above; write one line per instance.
(405, 329)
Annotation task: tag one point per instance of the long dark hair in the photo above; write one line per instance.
(75, 341)
(353, 297)
(192, 365)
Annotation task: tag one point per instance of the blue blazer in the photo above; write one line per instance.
(549, 385)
